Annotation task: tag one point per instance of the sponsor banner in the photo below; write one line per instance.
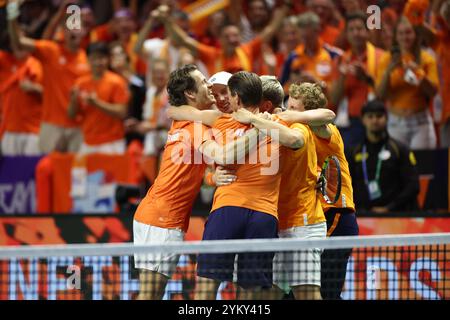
(17, 185)
(421, 272)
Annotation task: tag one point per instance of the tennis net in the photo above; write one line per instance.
(353, 268)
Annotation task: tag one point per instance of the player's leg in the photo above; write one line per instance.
(305, 268)
(155, 269)
(334, 262)
(152, 285)
(206, 289)
(212, 269)
(281, 277)
(255, 270)
(307, 292)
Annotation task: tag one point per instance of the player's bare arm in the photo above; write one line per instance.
(231, 152)
(322, 131)
(314, 118)
(188, 113)
(286, 136)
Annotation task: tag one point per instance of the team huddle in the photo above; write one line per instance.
(264, 162)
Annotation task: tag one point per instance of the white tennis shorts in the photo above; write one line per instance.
(165, 264)
(297, 268)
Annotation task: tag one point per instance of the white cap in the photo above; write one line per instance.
(221, 77)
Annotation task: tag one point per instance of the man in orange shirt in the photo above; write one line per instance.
(356, 72)
(326, 9)
(62, 64)
(101, 99)
(299, 210)
(233, 56)
(310, 61)
(21, 103)
(341, 219)
(159, 218)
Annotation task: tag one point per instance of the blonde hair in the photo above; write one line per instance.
(308, 19)
(310, 94)
(272, 90)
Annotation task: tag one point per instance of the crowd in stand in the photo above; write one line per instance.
(101, 85)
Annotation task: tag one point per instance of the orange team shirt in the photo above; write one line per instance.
(358, 92)
(21, 111)
(299, 204)
(169, 201)
(242, 59)
(101, 33)
(258, 179)
(320, 66)
(330, 34)
(335, 146)
(443, 52)
(403, 95)
(60, 70)
(99, 127)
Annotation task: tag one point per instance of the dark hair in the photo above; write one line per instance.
(181, 80)
(374, 106)
(266, 5)
(98, 47)
(358, 15)
(248, 87)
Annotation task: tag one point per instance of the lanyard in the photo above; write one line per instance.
(364, 164)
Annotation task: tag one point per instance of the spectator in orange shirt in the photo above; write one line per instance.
(53, 29)
(355, 84)
(288, 39)
(21, 103)
(330, 26)
(62, 64)
(232, 56)
(167, 49)
(101, 99)
(120, 64)
(310, 61)
(408, 81)
(155, 124)
(216, 22)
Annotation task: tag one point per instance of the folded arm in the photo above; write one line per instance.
(188, 113)
(315, 118)
(286, 136)
(231, 152)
